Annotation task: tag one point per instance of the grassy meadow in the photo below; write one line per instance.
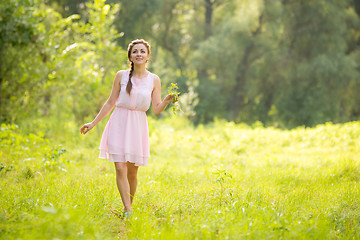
(218, 181)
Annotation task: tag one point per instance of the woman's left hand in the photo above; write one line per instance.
(170, 98)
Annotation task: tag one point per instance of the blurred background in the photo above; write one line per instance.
(284, 63)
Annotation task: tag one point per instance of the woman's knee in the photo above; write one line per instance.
(120, 168)
(132, 172)
(132, 175)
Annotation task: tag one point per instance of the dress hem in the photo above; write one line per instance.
(137, 160)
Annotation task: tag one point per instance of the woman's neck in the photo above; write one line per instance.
(139, 71)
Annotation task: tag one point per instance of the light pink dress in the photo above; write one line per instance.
(126, 135)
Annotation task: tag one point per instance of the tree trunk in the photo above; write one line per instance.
(202, 73)
(235, 104)
(208, 17)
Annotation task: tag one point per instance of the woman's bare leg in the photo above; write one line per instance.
(123, 184)
(132, 179)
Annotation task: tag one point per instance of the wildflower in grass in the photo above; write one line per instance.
(221, 176)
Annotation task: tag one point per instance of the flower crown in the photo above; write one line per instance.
(137, 41)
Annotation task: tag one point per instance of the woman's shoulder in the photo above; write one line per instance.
(155, 77)
(156, 80)
(120, 75)
(122, 72)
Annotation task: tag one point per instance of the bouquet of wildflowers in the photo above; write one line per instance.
(174, 90)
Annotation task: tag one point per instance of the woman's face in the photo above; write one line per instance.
(139, 54)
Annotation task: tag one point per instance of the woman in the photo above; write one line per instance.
(125, 140)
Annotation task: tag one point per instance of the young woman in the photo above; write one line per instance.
(125, 140)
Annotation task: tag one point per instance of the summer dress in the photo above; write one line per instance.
(126, 135)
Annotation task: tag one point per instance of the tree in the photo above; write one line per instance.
(75, 61)
(17, 35)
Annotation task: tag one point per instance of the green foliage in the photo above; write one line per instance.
(11, 137)
(212, 181)
(280, 63)
(75, 66)
(16, 24)
(221, 175)
(284, 63)
(6, 168)
(30, 152)
(18, 34)
(52, 158)
(317, 91)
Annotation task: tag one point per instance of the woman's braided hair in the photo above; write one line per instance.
(131, 45)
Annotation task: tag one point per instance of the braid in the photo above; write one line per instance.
(129, 84)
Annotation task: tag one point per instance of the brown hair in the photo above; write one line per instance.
(131, 45)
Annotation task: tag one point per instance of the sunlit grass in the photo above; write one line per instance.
(222, 181)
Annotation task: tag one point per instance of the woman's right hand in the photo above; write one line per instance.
(87, 127)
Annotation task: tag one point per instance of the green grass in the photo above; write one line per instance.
(221, 181)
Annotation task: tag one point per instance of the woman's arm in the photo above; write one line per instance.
(159, 105)
(109, 104)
